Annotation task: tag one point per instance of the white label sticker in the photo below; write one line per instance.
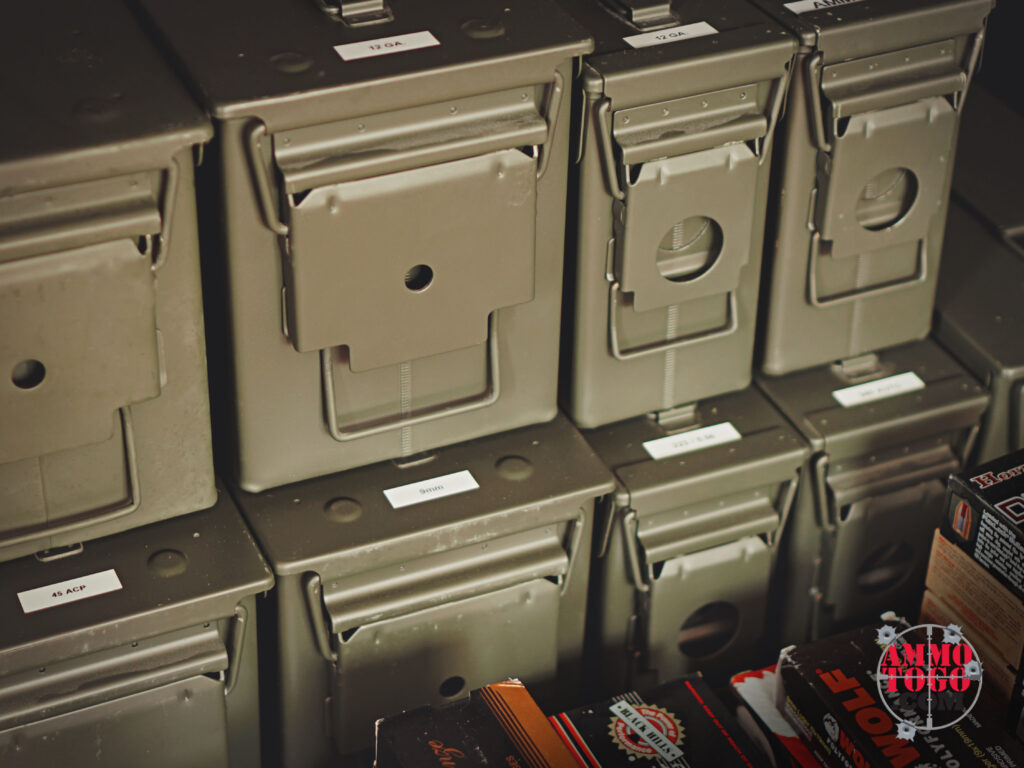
(879, 389)
(646, 730)
(670, 35)
(696, 440)
(69, 591)
(382, 46)
(803, 6)
(434, 488)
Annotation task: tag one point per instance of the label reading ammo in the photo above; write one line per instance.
(803, 6)
(686, 442)
(382, 46)
(69, 591)
(428, 490)
(879, 389)
(670, 35)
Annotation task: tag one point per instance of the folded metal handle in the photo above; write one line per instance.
(661, 347)
(489, 396)
(631, 543)
(92, 517)
(919, 276)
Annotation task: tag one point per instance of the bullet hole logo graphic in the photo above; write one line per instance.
(929, 677)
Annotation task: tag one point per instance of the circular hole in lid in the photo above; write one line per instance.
(28, 374)
(419, 277)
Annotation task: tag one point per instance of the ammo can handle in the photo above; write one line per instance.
(254, 133)
(490, 395)
(920, 275)
(96, 516)
(659, 348)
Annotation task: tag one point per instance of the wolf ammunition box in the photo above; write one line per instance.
(136, 649)
(678, 109)
(885, 434)
(833, 696)
(392, 184)
(103, 403)
(498, 725)
(681, 724)
(687, 542)
(406, 586)
(867, 152)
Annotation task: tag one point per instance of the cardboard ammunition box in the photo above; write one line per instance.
(499, 725)
(764, 723)
(960, 591)
(829, 695)
(984, 517)
(678, 724)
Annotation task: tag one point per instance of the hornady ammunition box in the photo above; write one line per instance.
(828, 692)
(497, 725)
(679, 724)
(984, 516)
(961, 591)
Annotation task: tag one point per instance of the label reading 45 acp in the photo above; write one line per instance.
(69, 591)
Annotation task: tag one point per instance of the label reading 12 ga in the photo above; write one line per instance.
(428, 490)
(671, 35)
(694, 440)
(879, 389)
(382, 46)
(805, 6)
(69, 591)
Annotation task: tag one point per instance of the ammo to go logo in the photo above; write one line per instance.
(929, 677)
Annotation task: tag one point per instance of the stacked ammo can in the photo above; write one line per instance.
(392, 182)
(866, 156)
(106, 438)
(680, 106)
(979, 314)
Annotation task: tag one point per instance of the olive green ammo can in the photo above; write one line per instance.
(686, 546)
(138, 649)
(104, 411)
(400, 586)
(989, 175)
(392, 180)
(979, 313)
(678, 107)
(885, 432)
(866, 154)
(979, 318)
